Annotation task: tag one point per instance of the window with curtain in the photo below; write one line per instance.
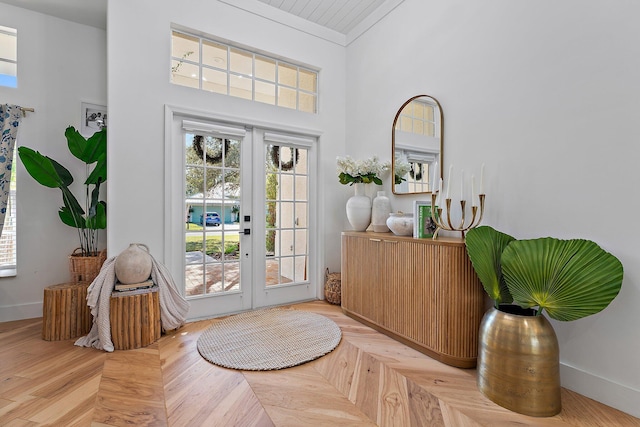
(8, 258)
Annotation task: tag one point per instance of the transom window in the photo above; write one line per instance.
(8, 57)
(217, 67)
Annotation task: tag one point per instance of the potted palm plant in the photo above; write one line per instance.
(518, 354)
(87, 220)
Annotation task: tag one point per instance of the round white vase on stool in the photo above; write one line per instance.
(359, 209)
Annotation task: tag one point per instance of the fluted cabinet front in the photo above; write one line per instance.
(422, 292)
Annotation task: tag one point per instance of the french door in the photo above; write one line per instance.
(240, 216)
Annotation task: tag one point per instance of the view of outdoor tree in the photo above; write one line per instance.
(221, 158)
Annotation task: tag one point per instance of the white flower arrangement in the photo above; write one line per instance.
(361, 171)
(401, 169)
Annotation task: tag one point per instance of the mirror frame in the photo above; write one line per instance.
(393, 142)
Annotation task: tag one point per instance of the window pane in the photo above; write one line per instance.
(301, 215)
(239, 87)
(214, 81)
(301, 188)
(308, 80)
(286, 215)
(286, 184)
(405, 124)
(286, 97)
(287, 75)
(417, 126)
(214, 54)
(185, 47)
(307, 102)
(265, 69)
(8, 47)
(301, 166)
(241, 62)
(265, 92)
(194, 178)
(232, 156)
(185, 74)
(428, 113)
(8, 74)
(418, 110)
(213, 151)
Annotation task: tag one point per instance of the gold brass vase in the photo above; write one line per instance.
(519, 361)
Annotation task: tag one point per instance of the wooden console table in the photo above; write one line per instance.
(421, 292)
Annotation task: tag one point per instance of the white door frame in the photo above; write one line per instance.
(174, 215)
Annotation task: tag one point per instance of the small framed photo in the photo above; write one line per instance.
(423, 226)
(94, 118)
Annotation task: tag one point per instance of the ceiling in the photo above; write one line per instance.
(340, 15)
(87, 12)
(340, 21)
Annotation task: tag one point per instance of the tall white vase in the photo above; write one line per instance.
(359, 209)
(380, 212)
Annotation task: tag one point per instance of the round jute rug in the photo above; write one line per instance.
(268, 339)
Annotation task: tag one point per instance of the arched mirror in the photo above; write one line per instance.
(416, 146)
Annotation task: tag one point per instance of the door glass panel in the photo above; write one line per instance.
(212, 192)
(287, 230)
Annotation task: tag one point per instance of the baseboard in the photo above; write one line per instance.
(20, 311)
(606, 391)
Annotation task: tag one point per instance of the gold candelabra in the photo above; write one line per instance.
(441, 224)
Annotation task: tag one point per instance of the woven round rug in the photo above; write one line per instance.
(268, 339)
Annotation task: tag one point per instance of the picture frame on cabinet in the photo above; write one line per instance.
(423, 226)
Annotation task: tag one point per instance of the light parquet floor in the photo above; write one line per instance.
(368, 380)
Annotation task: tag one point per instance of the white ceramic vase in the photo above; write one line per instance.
(359, 209)
(380, 210)
(133, 265)
(400, 224)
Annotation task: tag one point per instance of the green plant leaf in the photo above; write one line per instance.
(485, 246)
(68, 218)
(77, 143)
(97, 219)
(66, 179)
(570, 279)
(39, 167)
(96, 147)
(99, 173)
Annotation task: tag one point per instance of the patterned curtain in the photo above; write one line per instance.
(9, 121)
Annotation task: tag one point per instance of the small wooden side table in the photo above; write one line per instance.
(135, 318)
(65, 313)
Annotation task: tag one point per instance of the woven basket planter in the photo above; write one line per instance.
(332, 288)
(85, 268)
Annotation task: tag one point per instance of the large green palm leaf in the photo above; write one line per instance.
(485, 246)
(570, 279)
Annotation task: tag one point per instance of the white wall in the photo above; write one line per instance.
(60, 65)
(139, 88)
(547, 95)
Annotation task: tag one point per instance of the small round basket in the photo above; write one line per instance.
(332, 288)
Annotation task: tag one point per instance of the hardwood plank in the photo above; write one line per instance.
(369, 379)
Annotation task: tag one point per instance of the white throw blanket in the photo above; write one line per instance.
(173, 306)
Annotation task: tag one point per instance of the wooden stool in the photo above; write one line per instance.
(135, 318)
(65, 313)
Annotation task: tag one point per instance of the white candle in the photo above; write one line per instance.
(449, 181)
(432, 184)
(462, 185)
(473, 191)
(482, 179)
(439, 194)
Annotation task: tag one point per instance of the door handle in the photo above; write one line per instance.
(246, 231)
